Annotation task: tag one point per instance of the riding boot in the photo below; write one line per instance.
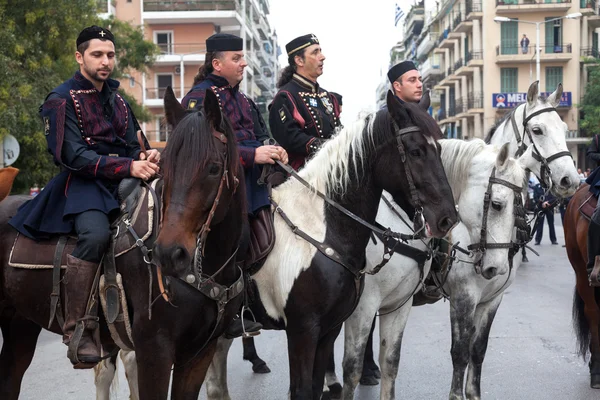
(593, 265)
(78, 281)
(242, 327)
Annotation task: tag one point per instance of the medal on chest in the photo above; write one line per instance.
(327, 104)
(313, 102)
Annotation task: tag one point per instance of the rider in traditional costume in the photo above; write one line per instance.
(91, 134)
(303, 115)
(222, 73)
(593, 265)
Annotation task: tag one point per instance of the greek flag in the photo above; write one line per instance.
(399, 15)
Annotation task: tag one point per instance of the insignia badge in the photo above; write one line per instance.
(313, 102)
(327, 104)
(46, 126)
(282, 114)
(192, 104)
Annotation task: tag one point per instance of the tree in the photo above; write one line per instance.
(590, 105)
(37, 54)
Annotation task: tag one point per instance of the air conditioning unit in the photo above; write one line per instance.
(178, 70)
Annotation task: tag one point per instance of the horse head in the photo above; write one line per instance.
(409, 167)
(200, 169)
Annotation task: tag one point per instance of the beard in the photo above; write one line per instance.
(95, 74)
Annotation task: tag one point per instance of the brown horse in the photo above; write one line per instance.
(586, 299)
(7, 177)
(180, 337)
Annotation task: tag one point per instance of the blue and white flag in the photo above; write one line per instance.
(399, 15)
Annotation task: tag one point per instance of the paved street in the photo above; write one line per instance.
(531, 354)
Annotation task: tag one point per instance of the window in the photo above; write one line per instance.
(163, 129)
(162, 82)
(509, 37)
(554, 76)
(553, 36)
(508, 80)
(164, 40)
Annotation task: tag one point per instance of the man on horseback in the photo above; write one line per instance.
(222, 73)
(406, 82)
(303, 115)
(91, 134)
(593, 265)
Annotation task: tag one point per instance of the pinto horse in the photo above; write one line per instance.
(308, 288)
(586, 299)
(180, 338)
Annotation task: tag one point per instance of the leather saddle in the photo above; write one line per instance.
(262, 240)
(136, 205)
(589, 206)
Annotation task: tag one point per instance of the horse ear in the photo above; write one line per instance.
(554, 98)
(212, 108)
(395, 108)
(425, 101)
(174, 112)
(503, 156)
(532, 94)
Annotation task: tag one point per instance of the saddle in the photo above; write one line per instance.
(589, 206)
(262, 240)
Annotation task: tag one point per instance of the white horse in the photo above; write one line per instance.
(468, 166)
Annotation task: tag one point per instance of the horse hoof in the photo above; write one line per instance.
(369, 381)
(335, 391)
(261, 368)
(595, 381)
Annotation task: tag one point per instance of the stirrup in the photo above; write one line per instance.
(245, 334)
(594, 277)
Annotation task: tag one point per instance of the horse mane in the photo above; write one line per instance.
(192, 144)
(457, 157)
(488, 138)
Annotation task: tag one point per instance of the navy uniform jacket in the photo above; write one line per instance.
(593, 153)
(92, 137)
(302, 117)
(248, 125)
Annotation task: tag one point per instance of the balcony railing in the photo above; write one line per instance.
(475, 100)
(590, 52)
(457, 20)
(459, 63)
(182, 48)
(522, 2)
(472, 6)
(461, 106)
(450, 71)
(545, 48)
(587, 4)
(452, 110)
(159, 93)
(190, 5)
(473, 55)
(157, 136)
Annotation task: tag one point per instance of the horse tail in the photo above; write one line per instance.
(580, 325)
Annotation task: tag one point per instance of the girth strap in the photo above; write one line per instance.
(111, 289)
(55, 306)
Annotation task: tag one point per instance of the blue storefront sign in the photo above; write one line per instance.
(511, 100)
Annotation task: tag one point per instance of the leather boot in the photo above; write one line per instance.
(78, 281)
(593, 265)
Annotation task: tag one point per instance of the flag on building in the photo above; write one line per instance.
(399, 15)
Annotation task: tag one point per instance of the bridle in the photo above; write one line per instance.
(479, 249)
(545, 171)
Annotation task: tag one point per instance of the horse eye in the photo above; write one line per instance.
(537, 131)
(415, 153)
(496, 205)
(213, 169)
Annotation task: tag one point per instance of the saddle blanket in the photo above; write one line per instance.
(589, 206)
(27, 253)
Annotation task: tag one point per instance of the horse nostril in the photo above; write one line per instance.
(445, 224)
(565, 182)
(179, 255)
(490, 272)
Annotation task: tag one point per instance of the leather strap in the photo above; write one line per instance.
(111, 289)
(55, 306)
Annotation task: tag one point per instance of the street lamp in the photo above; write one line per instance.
(537, 34)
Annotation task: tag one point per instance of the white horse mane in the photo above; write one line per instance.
(330, 167)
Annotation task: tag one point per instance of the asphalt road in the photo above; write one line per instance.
(531, 352)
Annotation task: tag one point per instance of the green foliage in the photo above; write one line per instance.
(36, 55)
(590, 105)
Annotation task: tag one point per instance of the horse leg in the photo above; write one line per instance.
(19, 340)
(154, 361)
(356, 336)
(131, 373)
(216, 379)
(391, 330)
(462, 315)
(592, 314)
(322, 358)
(189, 375)
(484, 317)
(250, 354)
(331, 379)
(104, 373)
(370, 372)
(302, 348)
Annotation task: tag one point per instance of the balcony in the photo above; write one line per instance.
(413, 23)
(473, 10)
(514, 54)
(217, 12)
(474, 58)
(106, 7)
(588, 7)
(590, 52)
(524, 6)
(460, 24)
(475, 103)
(461, 108)
(154, 96)
(451, 110)
(429, 68)
(426, 44)
(174, 53)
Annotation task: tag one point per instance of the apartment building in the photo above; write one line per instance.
(180, 28)
(479, 70)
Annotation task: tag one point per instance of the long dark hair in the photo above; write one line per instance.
(290, 70)
(207, 67)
